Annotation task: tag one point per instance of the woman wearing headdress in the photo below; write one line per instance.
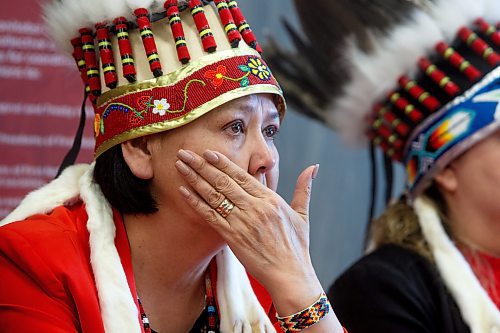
(146, 238)
(421, 81)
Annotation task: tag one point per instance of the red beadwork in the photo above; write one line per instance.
(126, 55)
(80, 61)
(106, 53)
(90, 61)
(479, 46)
(177, 31)
(389, 150)
(227, 20)
(428, 101)
(207, 38)
(488, 30)
(454, 58)
(401, 127)
(148, 40)
(438, 77)
(243, 26)
(404, 105)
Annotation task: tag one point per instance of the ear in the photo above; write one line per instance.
(137, 155)
(447, 179)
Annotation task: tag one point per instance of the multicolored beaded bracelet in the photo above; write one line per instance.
(307, 317)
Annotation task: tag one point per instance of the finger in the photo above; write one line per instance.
(241, 177)
(302, 194)
(212, 197)
(220, 224)
(220, 181)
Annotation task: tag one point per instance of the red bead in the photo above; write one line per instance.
(227, 20)
(78, 56)
(148, 40)
(488, 30)
(126, 55)
(177, 31)
(243, 26)
(479, 46)
(438, 77)
(456, 60)
(404, 105)
(89, 55)
(207, 38)
(106, 54)
(428, 101)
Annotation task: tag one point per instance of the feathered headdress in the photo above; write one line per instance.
(153, 65)
(418, 78)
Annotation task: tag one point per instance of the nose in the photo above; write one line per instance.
(263, 157)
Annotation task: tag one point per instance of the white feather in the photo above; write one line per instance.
(115, 8)
(450, 15)
(492, 11)
(134, 4)
(373, 75)
(74, 11)
(59, 25)
(94, 11)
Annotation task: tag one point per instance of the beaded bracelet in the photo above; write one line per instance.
(307, 317)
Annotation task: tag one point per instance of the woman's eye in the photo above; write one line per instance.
(270, 131)
(236, 127)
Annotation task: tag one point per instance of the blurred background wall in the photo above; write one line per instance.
(40, 97)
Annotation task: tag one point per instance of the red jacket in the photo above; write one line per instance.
(47, 284)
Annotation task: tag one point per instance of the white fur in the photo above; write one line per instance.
(373, 75)
(235, 294)
(61, 191)
(118, 310)
(240, 310)
(477, 309)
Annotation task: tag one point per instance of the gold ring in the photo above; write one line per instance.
(225, 208)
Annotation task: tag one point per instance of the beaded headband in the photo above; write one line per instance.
(420, 79)
(153, 65)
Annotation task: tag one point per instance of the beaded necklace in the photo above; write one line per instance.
(208, 322)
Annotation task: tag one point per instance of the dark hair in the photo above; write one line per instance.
(124, 191)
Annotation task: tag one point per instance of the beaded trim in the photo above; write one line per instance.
(307, 317)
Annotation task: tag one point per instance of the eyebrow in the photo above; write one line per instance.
(271, 116)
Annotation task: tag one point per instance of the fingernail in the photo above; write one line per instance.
(184, 191)
(315, 171)
(183, 168)
(185, 156)
(210, 156)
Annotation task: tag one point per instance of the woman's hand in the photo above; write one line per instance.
(269, 237)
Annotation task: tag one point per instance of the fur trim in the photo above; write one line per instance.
(477, 309)
(118, 310)
(61, 191)
(240, 310)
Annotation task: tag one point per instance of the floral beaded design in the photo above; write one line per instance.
(253, 66)
(146, 103)
(161, 106)
(256, 67)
